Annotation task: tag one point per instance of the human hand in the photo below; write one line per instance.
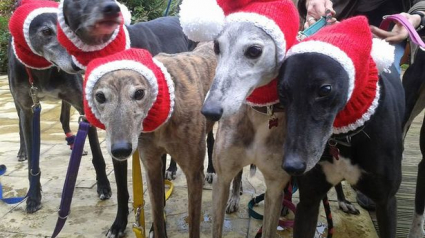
(316, 9)
(399, 32)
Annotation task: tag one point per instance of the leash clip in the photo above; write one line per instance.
(137, 224)
(34, 97)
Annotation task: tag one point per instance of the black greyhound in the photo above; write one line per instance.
(52, 84)
(93, 23)
(314, 88)
(414, 85)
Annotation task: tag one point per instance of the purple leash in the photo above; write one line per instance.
(414, 36)
(71, 176)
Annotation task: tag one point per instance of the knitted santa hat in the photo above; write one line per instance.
(19, 25)
(82, 53)
(203, 20)
(152, 70)
(350, 43)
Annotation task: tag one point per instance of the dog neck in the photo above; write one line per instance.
(82, 53)
(264, 96)
(362, 104)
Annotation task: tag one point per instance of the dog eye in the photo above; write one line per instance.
(325, 90)
(253, 52)
(47, 31)
(139, 94)
(100, 98)
(216, 48)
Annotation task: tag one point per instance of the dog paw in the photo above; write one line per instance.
(117, 229)
(22, 155)
(170, 175)
(348, 208)
(417, 231)
(104, 190)
(209, 177)
(33, 205)
(232, 204)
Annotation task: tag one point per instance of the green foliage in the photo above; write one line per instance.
(5, 12)
(145, 10)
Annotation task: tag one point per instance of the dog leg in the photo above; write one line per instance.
(416, 229)
(221, 189)
(22, 155)
(34, 193)
(273, 203)
(195, 180)
(153, 165)
(210, 169)
(103, 186)
(312, 188)
(118, 227)
(233, 203)
(386, 216)
(170, 173)
(343, 203)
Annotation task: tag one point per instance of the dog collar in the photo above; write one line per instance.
(153, 71)
(82, 53)
(264, 96)
(19, 25)
(362, 104)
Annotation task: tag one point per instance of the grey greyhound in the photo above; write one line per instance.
(52, 83)
(132, 97)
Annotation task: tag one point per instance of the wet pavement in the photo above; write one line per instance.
(91, 217)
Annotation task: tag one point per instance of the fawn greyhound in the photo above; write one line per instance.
(129, 92)
(250, 41)
(344, 121)
(40, 58)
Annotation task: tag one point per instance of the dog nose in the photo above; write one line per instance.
(294, 166)
(212, 111)
(121, 150)
(110, 8)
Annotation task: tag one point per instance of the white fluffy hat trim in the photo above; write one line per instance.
(126, 14)
(383, 54)
(201, 20)
(331, 51)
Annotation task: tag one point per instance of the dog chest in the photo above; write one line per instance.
(341, 169)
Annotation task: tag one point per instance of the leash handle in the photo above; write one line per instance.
(414, 36)
(71, 176)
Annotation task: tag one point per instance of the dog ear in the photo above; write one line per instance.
(383, 54)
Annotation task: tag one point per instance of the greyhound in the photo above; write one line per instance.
(315, 85)
(413, 83)
(129, 91)
(52, 83)
(94, 24)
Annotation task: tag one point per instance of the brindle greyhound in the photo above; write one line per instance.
(94, 23)
(53, 84)
(130, 92)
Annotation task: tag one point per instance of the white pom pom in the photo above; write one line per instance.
(383, 54)
(126, 14)
(201, 20)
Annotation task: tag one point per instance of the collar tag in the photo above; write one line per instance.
(333, 150)
(273, 121)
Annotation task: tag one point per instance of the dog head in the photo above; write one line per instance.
(247, 59)
(251, 38)
(127, 93)
(33, 28)
(93, 21)
(328, 85)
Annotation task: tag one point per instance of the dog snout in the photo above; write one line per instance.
(212, 111)
(121, 150)
(293, 165)
(110, 9)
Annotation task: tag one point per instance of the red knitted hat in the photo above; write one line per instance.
(203, 20)
(82, 53)
(140, 61)
(350, 43)
(19, 25)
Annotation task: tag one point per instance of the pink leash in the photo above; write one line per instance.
(414, 36)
